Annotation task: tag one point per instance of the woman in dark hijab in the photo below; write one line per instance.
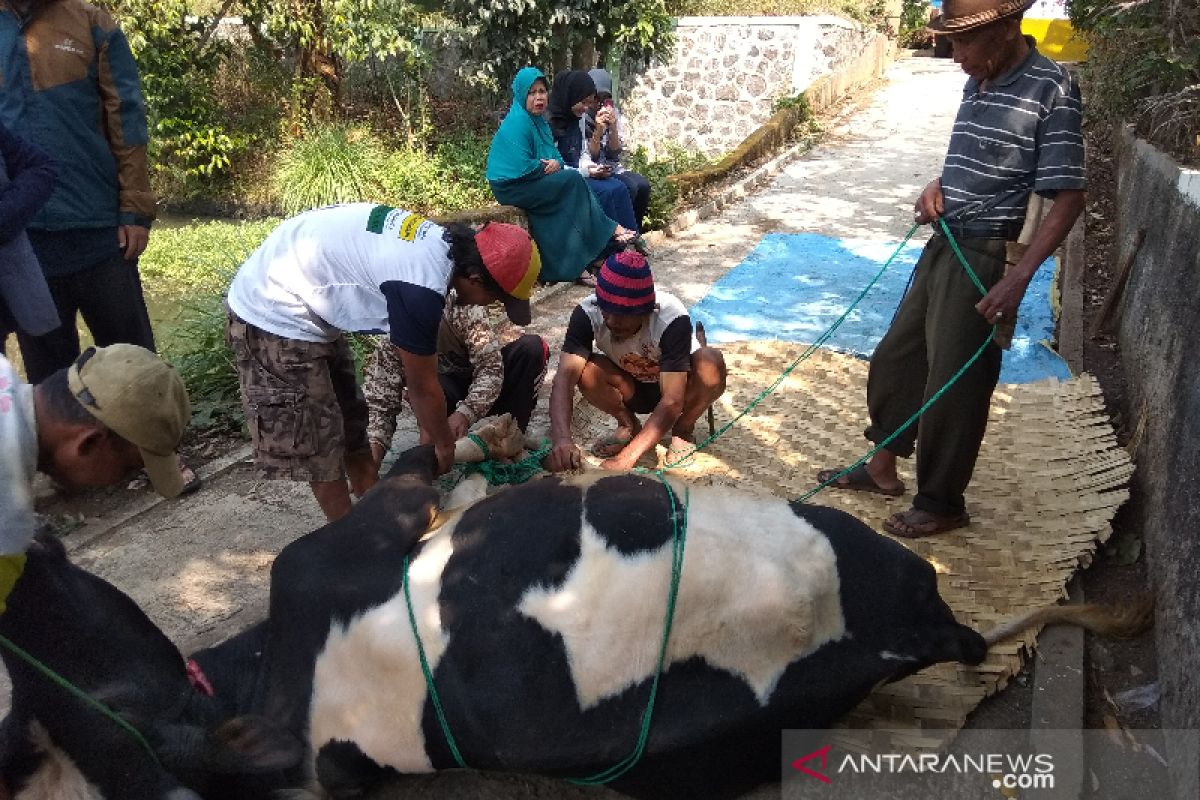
(524, 169)
(572, 94)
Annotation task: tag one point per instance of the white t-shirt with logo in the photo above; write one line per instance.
(358, 267)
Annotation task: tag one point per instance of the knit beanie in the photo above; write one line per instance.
(625, 285)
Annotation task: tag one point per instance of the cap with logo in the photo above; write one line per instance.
(139, 397)
(625, 284)
(960, 16)
(513, 261)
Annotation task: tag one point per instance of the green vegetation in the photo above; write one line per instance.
(664, 195)
(1144, 67)
(862, 10)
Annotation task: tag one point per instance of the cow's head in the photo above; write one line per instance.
(97, 639)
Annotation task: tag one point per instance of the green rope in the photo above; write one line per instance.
(679, 539)
(517, 472)
(79, 694)
(812, 348)
(487, 454)
(991, 335)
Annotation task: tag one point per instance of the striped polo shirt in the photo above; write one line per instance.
(1020, 135)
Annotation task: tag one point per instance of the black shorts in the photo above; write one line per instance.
(645, 397)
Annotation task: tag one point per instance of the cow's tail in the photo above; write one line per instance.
(1124, 620)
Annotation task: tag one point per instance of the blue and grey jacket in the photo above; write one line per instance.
(69, 84)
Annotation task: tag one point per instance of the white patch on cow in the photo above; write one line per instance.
(57, 777)
(888, 655)
(469, 490)
(759, 591)
(368, 687)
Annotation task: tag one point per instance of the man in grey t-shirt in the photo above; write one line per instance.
(1017, 133)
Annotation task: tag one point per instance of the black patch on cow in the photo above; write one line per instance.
(890, 597)
(333, 575)
(345, 771)
(632, 513)
(97, 638)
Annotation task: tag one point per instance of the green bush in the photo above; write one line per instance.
(664, 196)
(197, 349)
(449, 179)
(333, 163)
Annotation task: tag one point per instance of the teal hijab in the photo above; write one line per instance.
(523, 139)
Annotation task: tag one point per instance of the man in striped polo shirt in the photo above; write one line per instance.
(1017, 133)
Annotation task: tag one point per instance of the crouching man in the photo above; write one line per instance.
(485, 369)
(631, 351)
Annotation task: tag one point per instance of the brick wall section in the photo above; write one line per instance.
(727, 72)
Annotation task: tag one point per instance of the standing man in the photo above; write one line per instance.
(69, 84)
(115, 409)
(631, 351)
(1017, 132)
(362, 268)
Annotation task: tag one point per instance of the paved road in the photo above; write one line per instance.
(199, 566)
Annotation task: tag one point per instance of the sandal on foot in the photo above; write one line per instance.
(915, 523)
(857, 480)
(586, 279)
(680, 457)
(191, 481)
(609, 446)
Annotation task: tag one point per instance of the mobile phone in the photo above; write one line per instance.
(608, 103)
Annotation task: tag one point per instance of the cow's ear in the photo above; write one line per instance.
(243, 745)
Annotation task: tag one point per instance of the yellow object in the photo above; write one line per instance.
(1056, 38)
(11, 568)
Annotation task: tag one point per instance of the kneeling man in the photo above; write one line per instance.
(648, 362)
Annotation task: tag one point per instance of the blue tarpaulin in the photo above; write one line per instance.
(794, 287)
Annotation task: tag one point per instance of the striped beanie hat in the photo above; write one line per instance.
(625, 285)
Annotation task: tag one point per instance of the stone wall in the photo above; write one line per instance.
(726, 74)
(1159, 332)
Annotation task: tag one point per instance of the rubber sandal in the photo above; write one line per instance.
(917, 524)
(857, 480)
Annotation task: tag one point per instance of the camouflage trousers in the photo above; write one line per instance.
(302, 403)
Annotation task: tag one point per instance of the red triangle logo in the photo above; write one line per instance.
(822, 754)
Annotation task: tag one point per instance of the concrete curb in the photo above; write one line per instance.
(1056, 715)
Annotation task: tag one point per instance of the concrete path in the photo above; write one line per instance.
(199, 566)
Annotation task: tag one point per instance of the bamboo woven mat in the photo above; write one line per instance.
(1050, 478)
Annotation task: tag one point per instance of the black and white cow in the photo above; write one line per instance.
(540, 610)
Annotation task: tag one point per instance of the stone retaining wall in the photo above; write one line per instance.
(1159, 332)
(726, 73)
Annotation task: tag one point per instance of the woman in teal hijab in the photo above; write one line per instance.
(525, 170)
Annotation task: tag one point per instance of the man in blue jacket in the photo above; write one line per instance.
(69, 84)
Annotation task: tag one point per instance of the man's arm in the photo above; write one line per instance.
(31, 175)
(125, 126)
(1005, 296)
(564, 454)
(470, 324)
(658, 424)
(429, 405)
(383, 389)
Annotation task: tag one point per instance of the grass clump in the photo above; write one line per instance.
(664, 195)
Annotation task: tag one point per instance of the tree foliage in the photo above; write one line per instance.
(498, 37)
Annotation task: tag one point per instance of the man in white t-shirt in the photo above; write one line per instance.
(356, 268)
(648, 362)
